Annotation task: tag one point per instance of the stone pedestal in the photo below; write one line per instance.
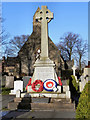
(44, 69)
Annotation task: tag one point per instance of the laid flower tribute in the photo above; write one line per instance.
(48, 85)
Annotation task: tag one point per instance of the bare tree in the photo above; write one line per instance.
(3, 37)
(67, 44)
(80, 52)
(16, 44)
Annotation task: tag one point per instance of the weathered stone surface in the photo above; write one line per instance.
(44, 73)
(9, 81)
(65, 88)
(26, 80)
(40, 100)
(59, 89)
(18, 93)
(68, 94)
(84, 78)
(43, 94)
(86, 71)
(3, 81)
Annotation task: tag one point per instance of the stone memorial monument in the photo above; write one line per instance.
(44, 77)
(44, 67)
(74, 68)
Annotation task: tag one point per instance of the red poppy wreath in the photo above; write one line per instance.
(36, 83)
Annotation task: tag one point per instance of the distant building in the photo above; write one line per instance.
(23, 64)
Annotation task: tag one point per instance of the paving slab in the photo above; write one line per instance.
(41, 114)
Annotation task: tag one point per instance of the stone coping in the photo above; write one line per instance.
(43, 95)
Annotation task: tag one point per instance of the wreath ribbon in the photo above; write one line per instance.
(60, 82)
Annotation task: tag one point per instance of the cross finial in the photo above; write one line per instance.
(44, 14)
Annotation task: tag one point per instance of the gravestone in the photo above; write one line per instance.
(44, 67)
(18, 85)
(3, 81)
(9, 82)
(84, 78)
(18, 93)
(26, 80)
(74, 68)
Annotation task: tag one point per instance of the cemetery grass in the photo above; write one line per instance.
(5, 91)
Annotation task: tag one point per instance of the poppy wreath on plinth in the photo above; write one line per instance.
(37, 82)
(49, 84)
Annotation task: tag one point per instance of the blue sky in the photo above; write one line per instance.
(68, 17)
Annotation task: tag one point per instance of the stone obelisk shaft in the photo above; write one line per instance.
(44, 39)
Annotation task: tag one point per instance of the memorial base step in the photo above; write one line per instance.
(54, 95)
(51, 104)
(40, 106)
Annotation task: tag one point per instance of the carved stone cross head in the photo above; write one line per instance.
(44, 15)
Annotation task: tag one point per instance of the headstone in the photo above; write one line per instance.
(44, 67)
(26, 80)
(84, 79)
(18, 93)
(9, 82)
(18, 85)
(86, 71)
(3, 81)
(74, 68)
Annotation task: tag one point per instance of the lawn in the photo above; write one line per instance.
(5, 91)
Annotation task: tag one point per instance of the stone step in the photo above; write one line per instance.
(50, 106)
(13, 105)
(16, 105)
(28, 100)
(54, 95)
(42, 100)
(60, 100)
(40, 106)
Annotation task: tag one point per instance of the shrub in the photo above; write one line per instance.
(5, 91)
(75, 84)
(82, 110)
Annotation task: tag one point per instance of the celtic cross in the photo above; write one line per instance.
(44, 16)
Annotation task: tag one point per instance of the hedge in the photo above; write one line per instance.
(75, 84)
(82, 110)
